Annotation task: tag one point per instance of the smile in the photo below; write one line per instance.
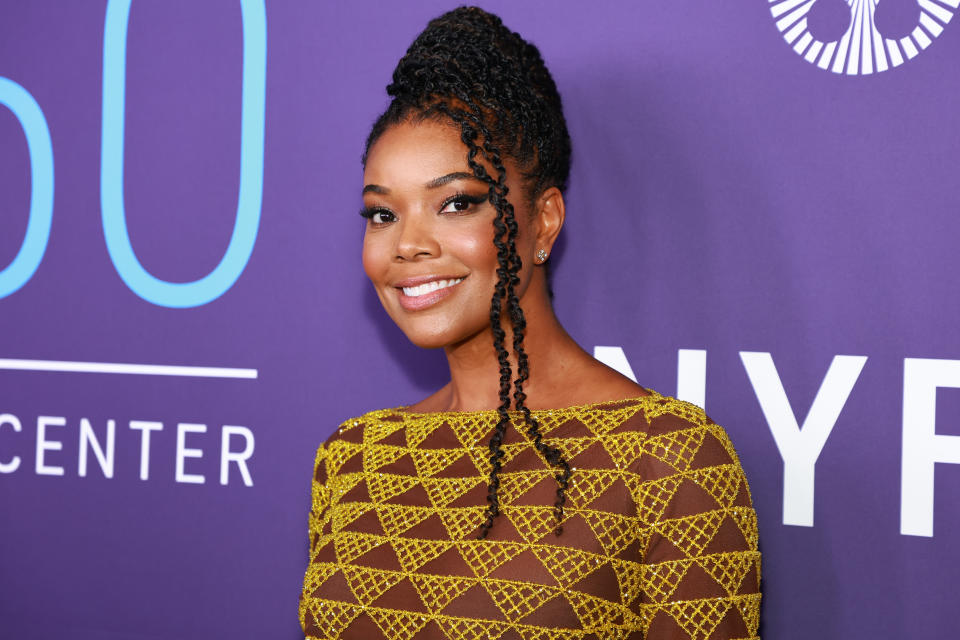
(417, 294)
(429, 287)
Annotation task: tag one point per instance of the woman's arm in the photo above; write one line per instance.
(700, 576)
(317, 522)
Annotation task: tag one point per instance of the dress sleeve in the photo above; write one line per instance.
(700, 577)
(317, 520)
(319, 498)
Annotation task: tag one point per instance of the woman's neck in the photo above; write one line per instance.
(552, 357)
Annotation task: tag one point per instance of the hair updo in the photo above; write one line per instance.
(468, 68)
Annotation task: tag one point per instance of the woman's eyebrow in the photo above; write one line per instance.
(375, 188)
(450, 177)
(433, 184)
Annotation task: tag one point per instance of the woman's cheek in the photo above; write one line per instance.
(475, 245)
(372, 256)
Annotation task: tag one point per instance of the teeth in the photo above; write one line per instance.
(429, 287)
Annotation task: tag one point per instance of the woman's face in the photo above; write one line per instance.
(428, 246)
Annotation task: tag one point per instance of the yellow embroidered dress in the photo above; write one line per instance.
(659, 538)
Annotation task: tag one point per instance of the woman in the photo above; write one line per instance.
(538, 494)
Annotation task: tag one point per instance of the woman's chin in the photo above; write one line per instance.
(427, 339)
(429, 343)
(437, 336)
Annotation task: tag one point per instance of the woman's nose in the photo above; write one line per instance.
(416, 239)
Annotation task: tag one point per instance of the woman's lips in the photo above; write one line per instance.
(416, 294)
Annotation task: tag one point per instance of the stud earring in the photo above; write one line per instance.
(541, 256)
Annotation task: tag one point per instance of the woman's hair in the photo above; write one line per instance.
(468, 68)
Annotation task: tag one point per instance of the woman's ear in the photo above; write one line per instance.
(550, 214)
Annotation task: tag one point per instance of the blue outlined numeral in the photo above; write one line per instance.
(246, 225)
(35, 128)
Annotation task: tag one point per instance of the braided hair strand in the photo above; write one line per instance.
(468, 68)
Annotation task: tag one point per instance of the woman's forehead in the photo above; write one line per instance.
(415, 154)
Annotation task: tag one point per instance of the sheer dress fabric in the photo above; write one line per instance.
(659, 536)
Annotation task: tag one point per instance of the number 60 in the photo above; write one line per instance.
(113, 214)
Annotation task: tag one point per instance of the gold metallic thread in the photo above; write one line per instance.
(660, 537)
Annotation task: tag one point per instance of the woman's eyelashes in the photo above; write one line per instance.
(377, 215)
(461, 203)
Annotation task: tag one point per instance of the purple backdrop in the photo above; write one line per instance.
(728, 196)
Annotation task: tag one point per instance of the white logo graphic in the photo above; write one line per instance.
(862, 49)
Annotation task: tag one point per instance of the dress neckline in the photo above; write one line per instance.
(603, 405)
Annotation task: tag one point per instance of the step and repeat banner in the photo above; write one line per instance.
(762, 219)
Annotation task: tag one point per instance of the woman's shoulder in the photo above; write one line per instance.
(663, 414)
(678, 437)
(650, 412)
(352, 430)
(654, 426)
(349, 437)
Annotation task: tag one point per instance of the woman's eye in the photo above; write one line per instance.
(461, 203)
(378, 216)
(457, 204)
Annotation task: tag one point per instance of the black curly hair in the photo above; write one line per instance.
(468, 68)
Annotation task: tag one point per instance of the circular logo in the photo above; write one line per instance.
(860, 37)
